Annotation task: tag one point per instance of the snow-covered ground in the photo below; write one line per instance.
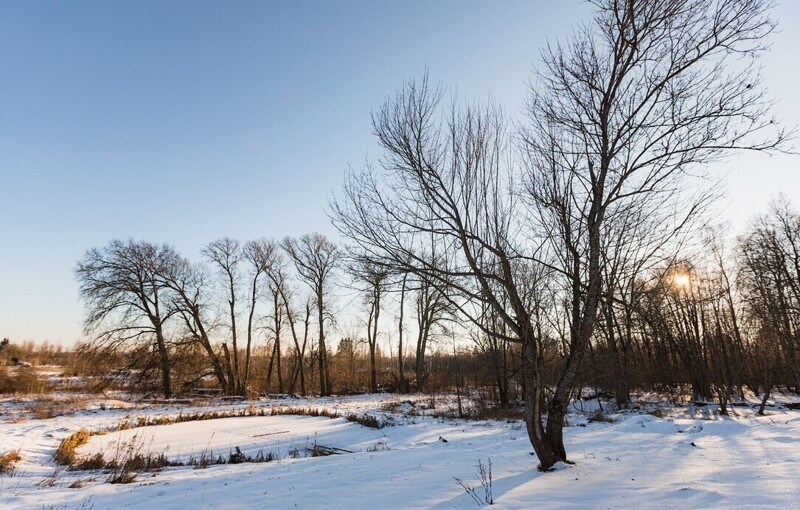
(691, 458)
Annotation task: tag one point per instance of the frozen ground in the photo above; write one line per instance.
(691, 458)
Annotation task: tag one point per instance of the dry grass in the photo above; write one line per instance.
(150, 421)
(365, 420)
(43, 407)
(304, 411)
(66, 454)
(80, 483)
(46, 407)
(96, 461)
(51, 479)
(121, 476)
(9, 461)
(128, 460)
(22, 381)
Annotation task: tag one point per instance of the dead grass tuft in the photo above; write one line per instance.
(96, 461)
(66, 454)
(365, 420)
(9, 461)
(80, 483)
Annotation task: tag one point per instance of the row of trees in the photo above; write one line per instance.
(142, 293)
(154, 308)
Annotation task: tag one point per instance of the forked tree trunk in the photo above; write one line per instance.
(547, 453)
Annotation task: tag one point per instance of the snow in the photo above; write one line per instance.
(688, 459)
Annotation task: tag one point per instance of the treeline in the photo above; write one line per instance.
(715, 326)
(147, 295)
(254, 317)
(719, 325)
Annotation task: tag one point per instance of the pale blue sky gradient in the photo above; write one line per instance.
(182, 122)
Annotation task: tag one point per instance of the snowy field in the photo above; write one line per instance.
(689, 458)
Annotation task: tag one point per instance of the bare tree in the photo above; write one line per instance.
(371, 281)
(226, 255)
(282, 299)
(127, 300)
(300, 349)
(432, 307)
(650, 93)
(279, 313)
(278, 318)
(445, 189)
(191, 288)
(315, 259)
(260, 255)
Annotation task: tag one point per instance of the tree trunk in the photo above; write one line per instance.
(166, 383)
(277, 351)
(373, 340)
(401, 373)
(323, 369)
(253, 298)
(419, 363)
(547, 454)
(231, 386)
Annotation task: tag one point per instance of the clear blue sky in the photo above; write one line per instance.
(182, 122)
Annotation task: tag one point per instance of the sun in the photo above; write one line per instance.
(681, 280)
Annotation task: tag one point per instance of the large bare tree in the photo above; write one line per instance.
(279, 287)
(126, 298)
(620, 117)
(191, 299)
